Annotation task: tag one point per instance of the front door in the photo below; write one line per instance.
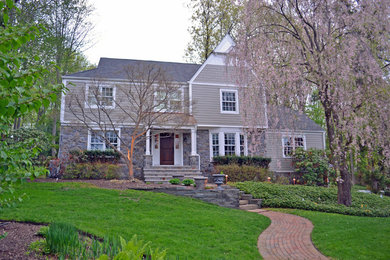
(166, 149)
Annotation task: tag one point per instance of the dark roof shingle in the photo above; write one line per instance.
(109, 68)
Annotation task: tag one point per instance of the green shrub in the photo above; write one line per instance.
(174, 181)
(243, 173)
(316, 199)
(313, 166)
(188, 182)
(108, 156)
(242, 160)
(105, 171)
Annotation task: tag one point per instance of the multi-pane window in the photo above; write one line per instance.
(230, 143)
(242, 145)
(97, 142)
(215, 144)
(229, 101)
(103, 96)
(168, 102)
(291, 143)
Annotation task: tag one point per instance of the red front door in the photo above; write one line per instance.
(166, 149)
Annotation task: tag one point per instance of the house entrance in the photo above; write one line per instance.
(167, 149)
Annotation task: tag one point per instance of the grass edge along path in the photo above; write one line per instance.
(188, 228)
(347, 237)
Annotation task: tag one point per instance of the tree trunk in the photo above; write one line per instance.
(130, 154)
(55, 115)
(344, 186)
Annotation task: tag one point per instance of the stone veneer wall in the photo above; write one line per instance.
(186, 148)
(259, 148)
(203, 148)
(76, 138)
(72, 138)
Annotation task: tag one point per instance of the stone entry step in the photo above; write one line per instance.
(247, 202)
(163, 174)
(248, 207)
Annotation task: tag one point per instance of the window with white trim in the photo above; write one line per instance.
(172, 102)
(97, 142)
(230, 143)
(291, 143)
(229, 102)
(242, 145)
(215, 144)
(100, 95)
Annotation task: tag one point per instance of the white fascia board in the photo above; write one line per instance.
(62, 112)
(229, 126)
(107, 80)
(288, 131)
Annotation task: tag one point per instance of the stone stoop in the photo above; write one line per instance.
(247, 202)
(163, 174)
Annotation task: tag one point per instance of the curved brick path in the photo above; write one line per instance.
(288, 237)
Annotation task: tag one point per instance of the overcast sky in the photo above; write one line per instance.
(140, 29)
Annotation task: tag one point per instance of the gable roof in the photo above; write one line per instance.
(110, 68)
(283, 118)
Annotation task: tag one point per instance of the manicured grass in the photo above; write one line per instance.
(348, 237)
(316, 198)
(188, 228)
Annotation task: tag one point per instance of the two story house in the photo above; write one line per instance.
(216, 126)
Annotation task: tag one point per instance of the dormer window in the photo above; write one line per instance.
(229, 101)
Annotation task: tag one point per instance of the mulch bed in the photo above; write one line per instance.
(20, 236)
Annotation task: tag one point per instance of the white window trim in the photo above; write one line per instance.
(237, 103)
(100, 90)
(221, 136)
(293, 136)
(181, 88)
(99, 130)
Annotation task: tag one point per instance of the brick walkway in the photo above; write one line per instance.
(288, 237)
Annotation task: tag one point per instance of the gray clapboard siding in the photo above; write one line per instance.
(76, 95)
(206, 107)
(217, 74)
(275, 148)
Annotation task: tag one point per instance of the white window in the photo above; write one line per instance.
(172, 102)
(242, 144)
(100, 95)
(230, 143)
(291, 143)
(97, 142)
(215, 144)
(223, 143)
(229, 101)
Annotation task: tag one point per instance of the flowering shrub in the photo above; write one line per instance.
(313, 166)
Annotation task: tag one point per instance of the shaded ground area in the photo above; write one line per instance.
(113, 184)
(15, 244)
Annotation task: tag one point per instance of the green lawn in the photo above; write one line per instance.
(188, 228)
(348, 237)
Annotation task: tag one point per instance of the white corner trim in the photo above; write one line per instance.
(324, 140)
(62, 112)
(190, 96)
(235, 91)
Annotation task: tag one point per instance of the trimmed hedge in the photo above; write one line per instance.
(316, 199)
(110, 156)
(242, 160)
(243, 173)
(95, 171)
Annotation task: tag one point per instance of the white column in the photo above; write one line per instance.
(237, 143)
(193, 141)
(147, 143)
(221, 143)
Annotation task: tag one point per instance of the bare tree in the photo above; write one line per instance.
(147, 99)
